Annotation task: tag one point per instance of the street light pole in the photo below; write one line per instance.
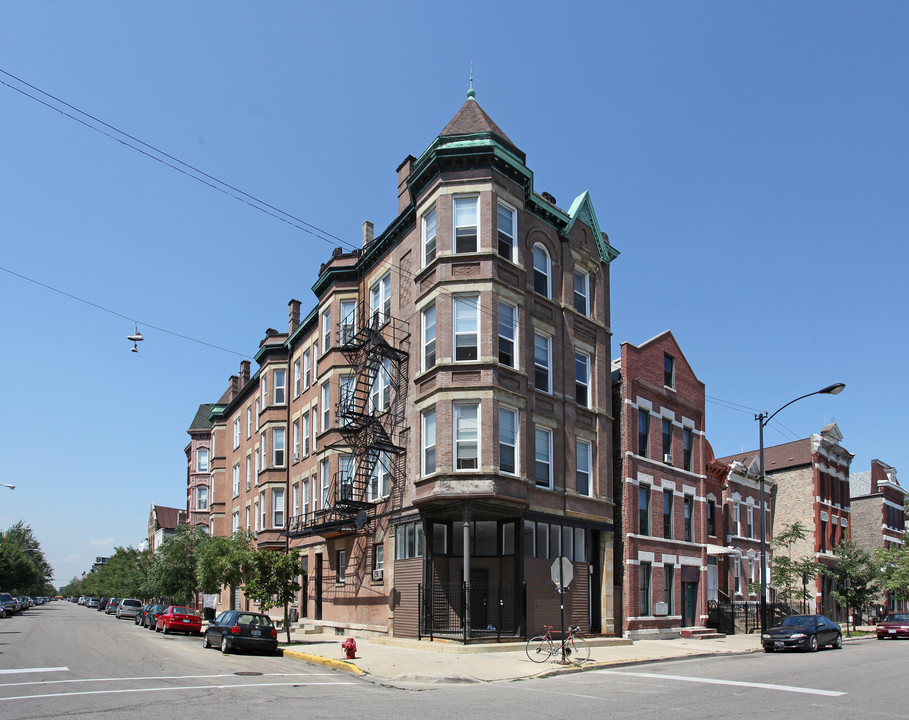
(763, 419)
(11, 487)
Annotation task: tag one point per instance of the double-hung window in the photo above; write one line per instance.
(202, 460)
(296, 439)
(348, 320)
(345, 477)
(543, 457)
(582, 379)
(689, 510)
(326, 331)
(263, 510)
(507, 231)
(307, 368)
(295, 499)
(264, 444)
(429, 441)
(508, 320)
(297, 377)
(249, 470)
(380, 393)
(277, 437)
(248, 421)
(667, 439)
(326, 406)
(201, 498)
(467, 434)
(466, 327)
(643, 433)
(379, 481)
(668, 578)
(236, 433)
(304, 498)
(668, 371)
(264, 390)
(380, 301)
(346, 399)
(542, 270)
(508, 440)
(429, 237)
(236, 479)
(667, 514)
(644, 509)
(280, 389)
(688, 447)
(645, 570)
(582, 292)
(542, 362)
(465, 225)
(585, 461)
(325, 480)
(304, 432)
(429, 337)
(277, 507)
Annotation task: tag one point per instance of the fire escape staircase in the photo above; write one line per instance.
(371, 422)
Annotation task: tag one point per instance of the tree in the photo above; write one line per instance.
(23, 567)
(787, 573)
(854, 574)
(224, 561)
(274, 580)
(893, 569)
(125, 574)
(173, 569)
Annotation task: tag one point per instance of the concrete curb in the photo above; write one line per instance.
(327, 662)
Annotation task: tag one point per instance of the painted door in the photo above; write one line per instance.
(689, 603)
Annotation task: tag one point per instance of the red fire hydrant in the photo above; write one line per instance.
(350, 647)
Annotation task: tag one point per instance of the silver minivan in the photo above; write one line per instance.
(128, 608)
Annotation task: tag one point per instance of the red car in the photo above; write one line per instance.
(180, 619)
(895, 625)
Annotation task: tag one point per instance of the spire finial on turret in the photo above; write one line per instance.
(471, 93)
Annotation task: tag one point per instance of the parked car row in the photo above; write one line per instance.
(11, 604)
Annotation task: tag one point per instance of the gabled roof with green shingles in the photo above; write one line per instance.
(201, 421)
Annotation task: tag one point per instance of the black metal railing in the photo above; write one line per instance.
(468, 611)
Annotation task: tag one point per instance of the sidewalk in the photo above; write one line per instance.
(403, 661)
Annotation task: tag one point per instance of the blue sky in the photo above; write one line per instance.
(749, 160)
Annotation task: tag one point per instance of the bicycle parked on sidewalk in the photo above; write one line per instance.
(542, 647)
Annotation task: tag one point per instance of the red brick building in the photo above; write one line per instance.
(660, 486)
(437, 429)
(198, 468)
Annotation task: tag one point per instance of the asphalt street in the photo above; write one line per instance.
(64, 660)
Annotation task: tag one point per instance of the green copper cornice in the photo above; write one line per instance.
(582, 209)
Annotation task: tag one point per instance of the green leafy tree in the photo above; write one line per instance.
(854, 574)
(893, 569)
(224, 561)
(125, 574)
(173, 569)
(787, 573)
(23, 568)
(274, 580)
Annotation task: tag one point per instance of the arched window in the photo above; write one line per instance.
(542, 269)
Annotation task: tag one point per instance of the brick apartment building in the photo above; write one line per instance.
(811, 479)
(878, 513)
(660, 488)
(198, 471)
(437, 429)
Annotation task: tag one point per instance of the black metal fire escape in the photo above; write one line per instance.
(370, 416)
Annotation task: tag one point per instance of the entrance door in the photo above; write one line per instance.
(317, 581)
(479, 598)
(689, 603)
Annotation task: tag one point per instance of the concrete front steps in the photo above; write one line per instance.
(701, 633)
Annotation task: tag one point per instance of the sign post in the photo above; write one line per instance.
(562, 574)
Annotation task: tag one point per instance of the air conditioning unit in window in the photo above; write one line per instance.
(667, 458)
(377, 574)
(661, 609)
(296, 456)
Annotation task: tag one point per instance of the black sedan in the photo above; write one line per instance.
(241, 630)
(151, 617)
(805, 632)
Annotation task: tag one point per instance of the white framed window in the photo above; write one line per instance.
(296, 439)
(315, 424)
(508, 322)
(346, 389)
(542, 271)
(378, 561)
(297, 377)
(508, 440)
(345, 477)
(201, 499)
(263, 443)
(249, 471)
(202, 460)
(507, 231)
(342, 567)
(584, 463)
(248, 520)
(295, 499)
(582, 379)
(380, 480)
(466, 224)
(429, 237)
(277, 507)
(326, 331)
(263, 510)
(264, 384)
(325, 480)
(304, 431)
(258, 468)
(248, 422)
(380, 301)
(380, 393)
(304, 499)
(256, 516)
(277, 438)
(235, 487)
(466, 327)
(258, 412)
(542, 362)
(280, 389)
(428, 454)
(582, 292)
(307, 368)
(467, 435)
(348, 320)
(543, 457)
(326, 406)
(429, 337)
(236, 433)
(235, 521)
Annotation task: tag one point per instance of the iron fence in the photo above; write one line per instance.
(468, 611)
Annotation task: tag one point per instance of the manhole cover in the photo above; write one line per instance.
(248, 673)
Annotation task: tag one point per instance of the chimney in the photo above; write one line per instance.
(404, 171)
(244, 373)
(234, 386)
(293, 315)
(368, 233)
